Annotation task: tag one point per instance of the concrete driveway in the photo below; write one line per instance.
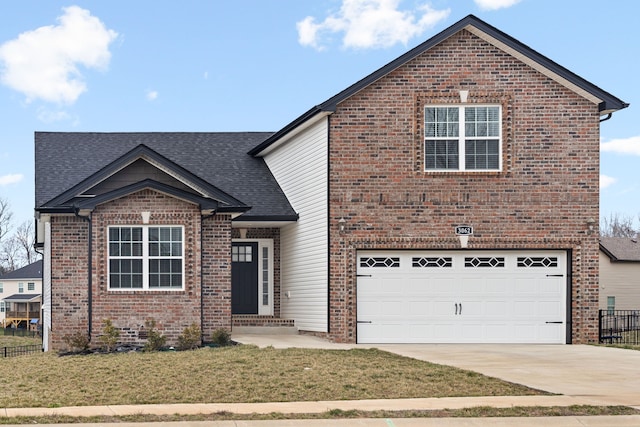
(607, 375)
(597, 375)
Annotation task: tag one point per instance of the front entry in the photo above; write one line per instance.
(244, 278)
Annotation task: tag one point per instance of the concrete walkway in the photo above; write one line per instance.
(582, 375)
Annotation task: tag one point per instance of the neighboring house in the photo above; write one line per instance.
(346, 221)
(619, 273)
(21, 296)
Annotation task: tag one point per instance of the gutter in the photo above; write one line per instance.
(89, 270)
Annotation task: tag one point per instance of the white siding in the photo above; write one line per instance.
(620, 280)
(300, 167)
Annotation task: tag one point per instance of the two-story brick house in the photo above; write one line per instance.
(348, 221)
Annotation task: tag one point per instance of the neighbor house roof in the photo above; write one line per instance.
(607, 103)
(68, 163)
(31, 271)
(621, 249)
(23, 298)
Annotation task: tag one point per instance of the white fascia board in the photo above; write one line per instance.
(313, 120)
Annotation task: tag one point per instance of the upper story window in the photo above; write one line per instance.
(31, 286)
(21, 288)
(146, 258)
(1, 288)
(463, 138)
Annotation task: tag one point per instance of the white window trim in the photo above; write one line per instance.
(145, 259)
(462, 138)
(263, 310)
(21, 288)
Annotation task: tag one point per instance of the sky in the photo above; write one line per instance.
(256, 65)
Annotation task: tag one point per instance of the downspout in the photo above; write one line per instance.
(606, 118)
(76, 211)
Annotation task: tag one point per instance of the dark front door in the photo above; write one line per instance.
(244, 278)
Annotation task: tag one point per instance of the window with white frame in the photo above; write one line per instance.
(463, 138)
(31, 286)
(1, 288)
(146, 257)
(21, 288)
(2, 309)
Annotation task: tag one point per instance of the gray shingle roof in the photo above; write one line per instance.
(31, 271)
(64, 159)
(621, 248)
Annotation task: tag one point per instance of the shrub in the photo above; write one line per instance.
(221, 336)
(110, 335)
(155, 340)
(190, 338)
(78, 341)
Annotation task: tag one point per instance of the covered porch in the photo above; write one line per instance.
(22, 311)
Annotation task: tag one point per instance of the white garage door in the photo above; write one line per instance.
(461, 297)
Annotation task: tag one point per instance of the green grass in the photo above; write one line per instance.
(235, 374)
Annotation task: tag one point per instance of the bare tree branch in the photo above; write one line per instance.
(5, 218)
(618, 225)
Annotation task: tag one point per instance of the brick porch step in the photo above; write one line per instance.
(254, 324)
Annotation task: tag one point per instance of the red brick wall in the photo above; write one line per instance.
(69, 275)
(543, 197)
(216, 274)
(172, 310)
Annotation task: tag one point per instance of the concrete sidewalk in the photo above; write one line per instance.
(302, 407)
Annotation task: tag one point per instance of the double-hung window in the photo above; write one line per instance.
(463, 138)
(146, 258)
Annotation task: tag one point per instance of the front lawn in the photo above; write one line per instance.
(234, 374)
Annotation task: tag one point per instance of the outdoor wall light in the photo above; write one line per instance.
(341, 224)
(591, 225)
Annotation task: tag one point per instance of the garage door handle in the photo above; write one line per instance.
(559, 323)
(458, 308)
(364, 321)
(555, 275)
(363, 275)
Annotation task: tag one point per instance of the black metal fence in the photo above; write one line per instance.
(20, 350)
(619, 327)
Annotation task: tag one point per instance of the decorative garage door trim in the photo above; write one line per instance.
(462, 296)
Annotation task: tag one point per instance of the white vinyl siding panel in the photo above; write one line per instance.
(300, 167)
(620, 280)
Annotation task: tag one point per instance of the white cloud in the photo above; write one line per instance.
(369, 24)
(46, 115)
(152, 95)
(43, 63)
(495, 4)
(606, 181)
(629, 145)
(10, 179)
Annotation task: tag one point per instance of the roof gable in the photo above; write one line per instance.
(205, 194)
(607, 103)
